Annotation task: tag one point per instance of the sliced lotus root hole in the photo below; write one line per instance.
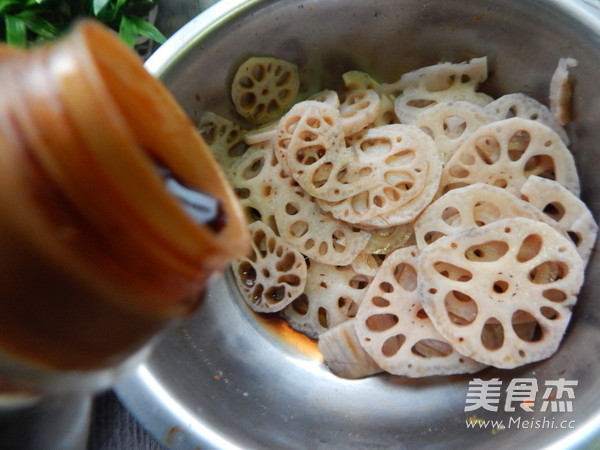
(454, 126)
(273, 274)
(264, 88)
(392, 345)
(432, 236)
(554, 210)
(405, 277)
(253, 214)
(555, 295)
(461, 308)
(492, 334)
(469, 207)
(502, 293)
(490, 251)
(381, 322)
(395, 330)
(506, 153)
(575, 237)
(347, 306)
(300, 305)
(359, 281)
(542, 166)
(548, 272)
(530, 248)
(431, 348)
(451, 216)
(310, 155)
(253, 169)
(453, 272)
(567, 210)
(331, 296)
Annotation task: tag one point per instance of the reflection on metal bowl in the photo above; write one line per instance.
(227, 380)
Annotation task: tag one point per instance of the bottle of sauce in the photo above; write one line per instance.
(113, 212)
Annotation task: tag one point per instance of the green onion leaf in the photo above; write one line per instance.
(128, 31)
(42, 28)
(99, 5)
(28, 21)
(145, 28)
(6, 4)
(16, 32)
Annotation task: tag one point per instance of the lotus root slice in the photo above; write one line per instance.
(269, 194)
(506, 153)
(310, 144)
(442, 76)
(331, 296)
(273, 275)
(225, 138)
(521, 105)
(404, 170)
(449, 123)
(264, 88)
(358, 109)
(561, 90)
(502, 294)
(394, 329)
(569, 211)
(343, 353)
(469, 207)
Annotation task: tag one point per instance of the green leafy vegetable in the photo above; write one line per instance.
(25, 22)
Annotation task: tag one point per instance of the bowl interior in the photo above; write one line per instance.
(227, 379)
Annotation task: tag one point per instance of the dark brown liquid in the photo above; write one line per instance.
(284, 332)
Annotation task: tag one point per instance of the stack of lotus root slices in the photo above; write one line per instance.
(419, 227)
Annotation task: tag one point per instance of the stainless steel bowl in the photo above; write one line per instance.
(228, 380)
